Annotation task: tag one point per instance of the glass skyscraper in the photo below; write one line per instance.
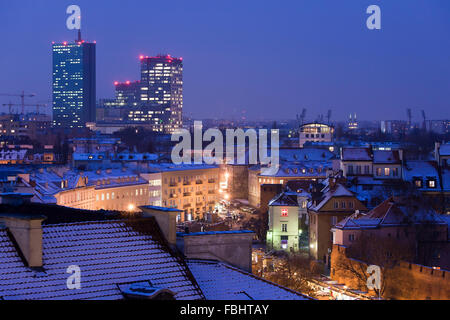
(162, 87)
(74, 77)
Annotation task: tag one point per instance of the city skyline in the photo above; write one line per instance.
(232, 55)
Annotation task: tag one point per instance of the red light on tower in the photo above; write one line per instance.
(65, 43)
(141, 57)
(284, 212)
(128, 82)
(116, 83)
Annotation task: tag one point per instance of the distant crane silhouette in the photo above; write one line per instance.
(22, 96)
(37, 105)
(424, 125)
(409, 115)
(329, 116)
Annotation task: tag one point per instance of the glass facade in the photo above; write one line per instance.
(162, 85)
(73, 84)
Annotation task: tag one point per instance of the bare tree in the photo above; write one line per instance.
(293, 271)
(372, 249)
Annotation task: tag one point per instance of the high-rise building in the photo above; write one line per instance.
(128, 93)
(162, 85)
(74, 87)
(352, 122)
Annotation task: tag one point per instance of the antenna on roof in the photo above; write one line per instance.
(79, 36)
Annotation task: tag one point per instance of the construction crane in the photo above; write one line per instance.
(10, 104)
(329, 116)
(302, 116)
(22, 96)
(409, 115)
(37, 105)
(424, 125)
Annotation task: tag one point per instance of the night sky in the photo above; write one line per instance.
(271, 58)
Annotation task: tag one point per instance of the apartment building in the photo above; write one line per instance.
(110, 189)
(194, 189)
(335, 203)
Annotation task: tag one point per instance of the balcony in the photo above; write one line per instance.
(186, 183)
(211, 180)
(173, 195)
(198, 182)
(212, 192)
(199, 193)
(186, 194)
(173, 184)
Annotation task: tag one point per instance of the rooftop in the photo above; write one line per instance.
(108, 253)
(220, 281)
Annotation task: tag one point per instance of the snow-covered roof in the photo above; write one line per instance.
(284, 199)
(444, 149)
(220, 281)
(303, 169)
(391, 212)
(337, 191)
(164, 167)
(305, 154)
(356, 154)
(386, 156)
(50, 182)
(422, 169)
(108, 253)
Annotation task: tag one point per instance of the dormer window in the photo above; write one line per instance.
(418, 182)
(431, 183)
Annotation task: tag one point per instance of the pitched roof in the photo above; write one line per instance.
(422, 169)
(329, 192)
(386, 156)
(284, 199)
(357, 154)
(220, 281)
(390, 212)
(109, 253)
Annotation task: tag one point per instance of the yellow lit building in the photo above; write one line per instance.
(194, 189)
(315, 132)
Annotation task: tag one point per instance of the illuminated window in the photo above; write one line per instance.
(418, 183)
(284, 212)
(431, 183)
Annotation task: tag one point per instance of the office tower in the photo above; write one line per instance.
(74, 87)
(162, 86)
(128, 93)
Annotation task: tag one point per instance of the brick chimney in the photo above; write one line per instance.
(27, 233)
